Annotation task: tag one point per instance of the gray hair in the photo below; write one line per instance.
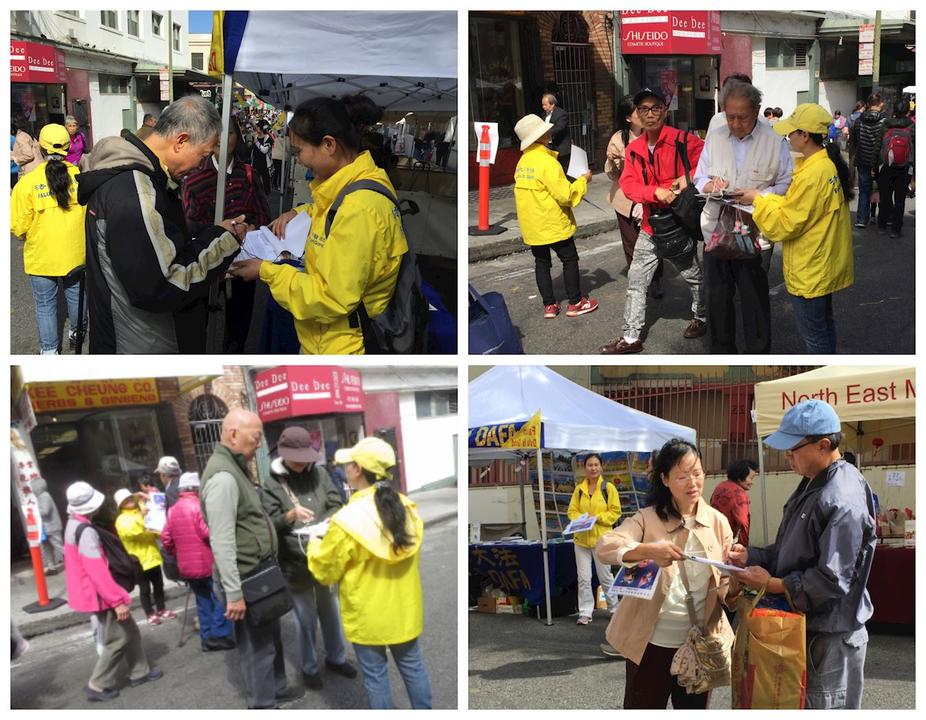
(71, 119)
(741, 90)
(192, 114)
(550, 98)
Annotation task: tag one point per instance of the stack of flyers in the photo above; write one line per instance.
(639, 581)
(583, 523)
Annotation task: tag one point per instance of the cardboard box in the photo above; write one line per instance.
(486, 604)
(510, 604)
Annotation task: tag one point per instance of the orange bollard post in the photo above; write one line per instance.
(484, 157)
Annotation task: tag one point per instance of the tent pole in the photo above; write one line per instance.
(216, 322)
(543, 536)
(761, 475)
(523, 507)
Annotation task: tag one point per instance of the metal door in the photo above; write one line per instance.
(572, 70)
(205, 415)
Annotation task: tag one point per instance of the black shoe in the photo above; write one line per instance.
(289, 694)
(100, 695)
(313, 681)
(218, 643)
(153, 674)
(345, 668)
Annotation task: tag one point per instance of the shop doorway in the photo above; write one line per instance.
(572, 72)
(205, 415)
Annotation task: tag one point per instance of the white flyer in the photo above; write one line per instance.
(895, 478)
(723, 567)
(264, 245)
(578, 162)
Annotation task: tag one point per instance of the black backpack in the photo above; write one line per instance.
(402, 328)
(125, 569)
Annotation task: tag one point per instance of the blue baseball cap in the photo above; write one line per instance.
(811, 417)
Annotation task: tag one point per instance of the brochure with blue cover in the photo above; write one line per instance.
(639, 581)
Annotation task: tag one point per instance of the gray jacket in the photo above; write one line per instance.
(51, 520)
(824, 549)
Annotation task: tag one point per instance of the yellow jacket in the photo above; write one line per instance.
(359, 260)
(380, 589)
(812, 223)
(54, 237)
(544, 198)
(594, 504)
(142, 543)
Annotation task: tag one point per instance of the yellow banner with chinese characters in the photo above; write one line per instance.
(217, 51)
(527, 434)
(89, 394)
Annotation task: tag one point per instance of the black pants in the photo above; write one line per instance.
(238, 311)
(568, 254)
(443, 154)
(724, 279)
(149, 578)
(277, 173)
(260, 657)
(892, 184)
(650, 685)
(563, 161)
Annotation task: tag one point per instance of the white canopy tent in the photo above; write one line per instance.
(402, 60)
(572, 418)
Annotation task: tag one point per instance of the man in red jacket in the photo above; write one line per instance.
(653, 175)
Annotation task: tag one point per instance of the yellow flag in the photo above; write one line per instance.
(217, 51)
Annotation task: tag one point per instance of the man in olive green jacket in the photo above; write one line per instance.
(299, 492)
(241, 536)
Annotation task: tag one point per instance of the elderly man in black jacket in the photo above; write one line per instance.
(560, 140)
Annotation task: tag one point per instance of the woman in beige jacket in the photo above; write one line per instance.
(26, 151)
(628, 213)
(678, 523)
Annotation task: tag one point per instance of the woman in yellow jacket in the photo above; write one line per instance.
(813, 224)
(143, 544)
(371, 549)
(355, 262)
(44, 212)
(544, 198)
(593, 496)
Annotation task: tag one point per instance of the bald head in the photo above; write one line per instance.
(241, 432)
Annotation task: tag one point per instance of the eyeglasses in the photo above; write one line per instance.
(651, 109)
(803, 444)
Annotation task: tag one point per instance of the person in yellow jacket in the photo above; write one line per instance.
(813, 224)
(357, 261)
(371, 548)
(544, 199)
(44, 212)
(593, 496)
(143, 544)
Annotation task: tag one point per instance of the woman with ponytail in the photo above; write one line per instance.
(44, 212)
(371, 549)
(812, 223)
(354, 262)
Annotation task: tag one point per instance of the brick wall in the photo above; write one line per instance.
(169, 388)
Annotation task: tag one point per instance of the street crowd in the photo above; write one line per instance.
(752, 183)
(132, 220)
(342, 555)
(679, 644)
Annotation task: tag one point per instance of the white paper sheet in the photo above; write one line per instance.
(578, 162)
(723, 567)
(264, 245)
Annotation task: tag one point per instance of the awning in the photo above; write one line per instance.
(190, 374)
(185, 74)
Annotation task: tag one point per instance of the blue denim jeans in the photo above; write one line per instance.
(45, 295)
(210, 610)
(313, 605)
(407, 656)
(815, 323)
(865, 182)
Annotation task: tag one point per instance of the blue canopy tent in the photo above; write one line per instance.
(572, 418)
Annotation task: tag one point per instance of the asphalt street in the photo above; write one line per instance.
(53, 673)
(874, 316)
(518, 662)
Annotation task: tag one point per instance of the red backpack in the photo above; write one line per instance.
(897, 147)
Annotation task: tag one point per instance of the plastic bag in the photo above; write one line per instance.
(735, 237)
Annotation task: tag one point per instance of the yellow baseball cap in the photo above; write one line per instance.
(809, 117)
(55, 139)
(371, 454)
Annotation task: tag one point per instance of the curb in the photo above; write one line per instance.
(508, 246)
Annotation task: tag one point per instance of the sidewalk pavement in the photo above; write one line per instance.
(590, 220)
(434, 506)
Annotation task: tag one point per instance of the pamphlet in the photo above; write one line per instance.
(317, 530)
(156, 517)
(264, 245)
(723, 567)
(639, 581)
(582, 523)
(578, 162)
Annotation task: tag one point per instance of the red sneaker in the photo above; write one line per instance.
(585, 305)
(551, 311)
(168, 615)
(154, 619)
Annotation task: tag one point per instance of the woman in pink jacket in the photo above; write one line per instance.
(187, 537)
(92, 589)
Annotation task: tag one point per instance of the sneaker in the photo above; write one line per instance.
(153, 674)
(154, 619)
(696, 328)
(550, 311)
(585, 305)
(860, 225)
(168, 615)
(345, 668)
(72, 340)
(290, 693)
(606, 649)
(214, 644)
(583, 620)
(313, 681)
(100, 695)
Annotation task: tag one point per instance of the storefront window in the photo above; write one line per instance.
(676, 77)
(435, 403)
(34, 105)
(496, 82)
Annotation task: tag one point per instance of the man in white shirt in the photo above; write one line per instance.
(743, 153)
